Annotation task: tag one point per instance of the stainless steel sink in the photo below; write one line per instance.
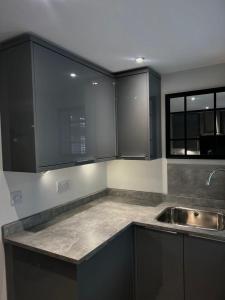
(193, 217)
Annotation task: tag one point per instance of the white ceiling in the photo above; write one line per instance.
(172, 35)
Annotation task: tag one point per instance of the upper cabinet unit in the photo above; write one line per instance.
(56, 109)
(138, 95)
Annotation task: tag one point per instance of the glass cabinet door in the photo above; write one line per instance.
(65, 115)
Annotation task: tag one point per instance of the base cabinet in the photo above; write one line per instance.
(107, 275)
(204, 266)
(159, 265)
(139, 264)
(35, 276)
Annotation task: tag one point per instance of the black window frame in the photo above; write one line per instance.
(184, 95)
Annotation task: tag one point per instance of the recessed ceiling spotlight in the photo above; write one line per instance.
(207, 107)
(193, 98)
(73, 75)
(94, 83)
(139, 60)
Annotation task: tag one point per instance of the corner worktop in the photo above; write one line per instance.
(77, 234)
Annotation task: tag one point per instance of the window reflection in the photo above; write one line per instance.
(177, 147)
(220, 123)
(200, 117)
(200, 102)
(73, 132)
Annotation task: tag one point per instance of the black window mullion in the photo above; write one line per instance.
(185, 125)
(215, 112)
(168, 124)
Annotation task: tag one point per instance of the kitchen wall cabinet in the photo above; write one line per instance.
(204, 265)
(105, 117)
(159, 265)
(138, 114)
(65, 114)
(57, 110)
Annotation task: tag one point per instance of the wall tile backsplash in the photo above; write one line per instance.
(189, 180)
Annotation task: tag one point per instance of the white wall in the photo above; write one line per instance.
(152, 175)
(136, 175)
(39, 193)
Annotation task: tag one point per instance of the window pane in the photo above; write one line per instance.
(177, 118)
(177, 148)
(220, 145)
(193, 125)
(207, 145)
(177, 104)
(200, 102)
(220, 124)
(220, 100)
(207, 123)
(220, 132)
(200, 115)
(193, 147)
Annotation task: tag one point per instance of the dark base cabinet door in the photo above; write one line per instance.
(35, 276)
(108, 275)
(204, 269)
(159, 265)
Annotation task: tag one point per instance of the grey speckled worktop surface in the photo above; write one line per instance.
(77, 234)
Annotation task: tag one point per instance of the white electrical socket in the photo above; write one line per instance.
(16, 197)
(62, 186)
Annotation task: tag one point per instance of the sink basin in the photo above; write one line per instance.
(193, 217)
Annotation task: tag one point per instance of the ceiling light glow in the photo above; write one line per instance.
(140, 60)
(193, 98)
(94, 83)
(73, 75)
(207, 107)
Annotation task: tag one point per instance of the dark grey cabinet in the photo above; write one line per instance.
(204, 265)
(109, 274)
(17, 118)
(64, 109)
(31, 275)
(57, 111)
(138, 114)
(159, 265)
(105, 107)
(139, 264)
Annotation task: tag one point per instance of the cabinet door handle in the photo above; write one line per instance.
(205, 237)
(162, 230)
(133, 156)
(85, 161)
(168, 231)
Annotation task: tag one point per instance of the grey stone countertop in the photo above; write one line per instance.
(76, 235)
